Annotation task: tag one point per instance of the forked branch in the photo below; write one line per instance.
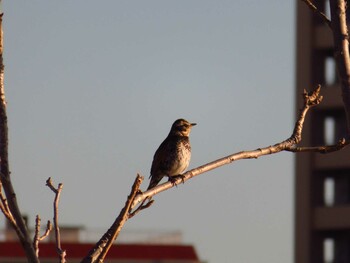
(339, 27)
(310, 100)
(37, 237)
(341, 51)
(57, 191)
(138, 200)
(100, 250)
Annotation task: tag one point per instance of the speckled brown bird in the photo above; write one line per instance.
(173, 155)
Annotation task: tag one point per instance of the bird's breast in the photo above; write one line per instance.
(182, 159)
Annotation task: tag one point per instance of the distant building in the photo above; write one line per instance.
(322, 182)
(123, 253)
(138, 247)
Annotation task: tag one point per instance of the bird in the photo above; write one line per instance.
(173, 155)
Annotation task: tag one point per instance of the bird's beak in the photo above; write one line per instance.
(193, 124)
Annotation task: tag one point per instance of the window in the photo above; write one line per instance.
(327, 9)
(328, 127)
(328, 250)
(324, 67)
(331, 187)
(328, 191)
(330, 71)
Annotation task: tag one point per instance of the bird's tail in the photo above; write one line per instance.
(154, 181)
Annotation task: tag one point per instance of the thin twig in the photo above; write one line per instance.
(7, 213)
(341, 51)
(37, 238)
(3, 203)
(47, 231)
(141, 207)
(36, 235)
(4, 208)
(318, 12)
(322, 149)
(57, 191)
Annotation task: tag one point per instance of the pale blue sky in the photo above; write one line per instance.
(93, 88)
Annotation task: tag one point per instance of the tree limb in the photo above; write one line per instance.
(341, 51)
(5, 179)
(37, 238)
(318, 12)
(100, 250)
(5, 208)
(137, 198)
(321, 149)
(61, 252)
(310, 100)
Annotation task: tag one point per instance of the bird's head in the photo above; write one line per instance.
(181, 127)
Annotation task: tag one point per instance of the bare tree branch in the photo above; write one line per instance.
(47, 231)
(318, 12)
(36, 235)
(310, 100)
(136, 197)
(61, 252)
(341, 51)
(322, 149)
(100, 250)
(341, 47)
(4, 206)
(141, 207)
(37, 238)
(5, 180)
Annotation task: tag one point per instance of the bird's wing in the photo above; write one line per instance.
(161, 156)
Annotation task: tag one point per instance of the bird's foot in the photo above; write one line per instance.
(173, 179)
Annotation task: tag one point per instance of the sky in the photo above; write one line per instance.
(93, 88)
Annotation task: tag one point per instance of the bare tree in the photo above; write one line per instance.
(137, 200)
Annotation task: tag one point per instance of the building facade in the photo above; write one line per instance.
(132, 247)
(12, 252)
(322, 181)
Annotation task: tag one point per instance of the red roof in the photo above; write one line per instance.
(119, 251)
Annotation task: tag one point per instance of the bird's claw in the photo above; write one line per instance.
(173, 179)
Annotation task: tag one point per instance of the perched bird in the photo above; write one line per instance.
(173, 155)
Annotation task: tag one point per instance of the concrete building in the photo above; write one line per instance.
(322, 182)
